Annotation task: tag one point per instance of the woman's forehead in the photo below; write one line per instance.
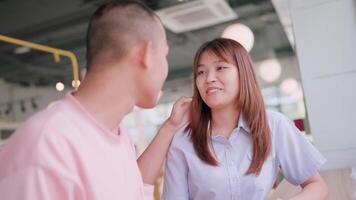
(219, 54)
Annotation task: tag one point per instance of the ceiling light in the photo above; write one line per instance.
(240, 33)
(297, 94)
(75, 83)
(270, 70)
(60, 86)
(289, 86)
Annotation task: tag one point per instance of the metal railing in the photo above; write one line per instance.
(55, 51)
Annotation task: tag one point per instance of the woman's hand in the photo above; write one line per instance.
(151, 160)
(180, 112)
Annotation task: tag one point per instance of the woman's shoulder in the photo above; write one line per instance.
(275, 119)
(181, 138)
(282, 127)
(274, 116)
(279, 125)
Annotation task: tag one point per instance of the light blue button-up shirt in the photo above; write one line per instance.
(187, 177)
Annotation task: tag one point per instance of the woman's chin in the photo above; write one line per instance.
(215, 105)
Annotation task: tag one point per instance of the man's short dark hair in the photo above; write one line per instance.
(116, 26)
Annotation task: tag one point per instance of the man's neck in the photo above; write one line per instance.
(107, 105)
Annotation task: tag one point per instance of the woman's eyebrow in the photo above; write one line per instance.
(219, 61)
(216, 61)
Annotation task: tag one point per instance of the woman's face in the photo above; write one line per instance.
(217, 81)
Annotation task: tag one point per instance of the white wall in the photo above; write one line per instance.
(325, 33)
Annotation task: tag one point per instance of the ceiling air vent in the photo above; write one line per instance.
(195, 15)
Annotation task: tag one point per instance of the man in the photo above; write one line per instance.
(74, 149)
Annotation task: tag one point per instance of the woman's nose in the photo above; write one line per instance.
(210, 77)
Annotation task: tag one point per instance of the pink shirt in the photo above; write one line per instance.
(64, 153)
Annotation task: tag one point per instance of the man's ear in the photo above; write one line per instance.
(144, 54)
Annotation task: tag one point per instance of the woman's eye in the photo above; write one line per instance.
(221, 68)
(200, 73)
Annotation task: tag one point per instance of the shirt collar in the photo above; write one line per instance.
(71, 100)
(243, 124)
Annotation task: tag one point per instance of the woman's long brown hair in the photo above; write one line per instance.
(249, 100)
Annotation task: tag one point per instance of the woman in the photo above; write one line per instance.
(233, 148)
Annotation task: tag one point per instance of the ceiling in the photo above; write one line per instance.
(62, 24)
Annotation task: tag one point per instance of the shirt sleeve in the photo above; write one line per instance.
(38, 184)
(297, 157)
(175, 185)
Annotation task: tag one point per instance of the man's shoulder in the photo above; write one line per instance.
(42, 136)
(48, 125)
(55, 114)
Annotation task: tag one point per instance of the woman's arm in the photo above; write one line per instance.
(314, 188)
(151, 160)
(299, 160)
